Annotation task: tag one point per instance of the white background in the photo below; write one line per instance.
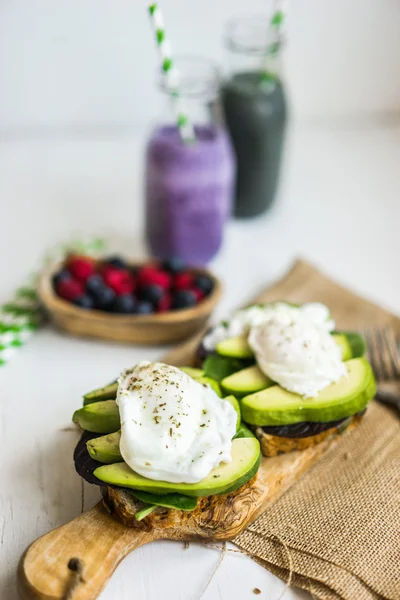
(77, 92)
(89, 66)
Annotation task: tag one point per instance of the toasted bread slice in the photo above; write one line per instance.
(124, 506)
(272, 445)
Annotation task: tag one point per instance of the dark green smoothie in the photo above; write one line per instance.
(255, 115)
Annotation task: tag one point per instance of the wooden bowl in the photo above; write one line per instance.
(162, 328)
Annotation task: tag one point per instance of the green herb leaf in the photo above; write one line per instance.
(144, 512)
(175, 500)
(218, 367)
(25, 292)
(19, 310)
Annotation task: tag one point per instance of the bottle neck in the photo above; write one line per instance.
(254, 50)
(198, 85)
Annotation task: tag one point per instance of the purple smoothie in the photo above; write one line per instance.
(188, 193)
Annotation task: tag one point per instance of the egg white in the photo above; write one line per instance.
(297, 353)
(173, 428)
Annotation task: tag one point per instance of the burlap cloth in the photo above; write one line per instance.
(336, 532)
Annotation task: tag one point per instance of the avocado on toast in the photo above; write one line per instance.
(282, 420)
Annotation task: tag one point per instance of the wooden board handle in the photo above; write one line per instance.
(75, 561)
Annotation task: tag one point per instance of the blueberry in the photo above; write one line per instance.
(62, 275)
(204, 283)
(125, 303)
(151, 293)
(103, 298)
(117, 262)
(94, 283)
(84, 301)
(174, 265)
(144, 308)
(183, 299)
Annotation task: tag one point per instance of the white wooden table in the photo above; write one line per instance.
(339, 207)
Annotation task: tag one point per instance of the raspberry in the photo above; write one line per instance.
(69, 289)
(164, 304)
(183, 281)
(198, 293)
(81, 267)
(119, 280)
(153, 276)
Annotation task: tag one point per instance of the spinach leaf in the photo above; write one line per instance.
(175, 500)
(218, 367)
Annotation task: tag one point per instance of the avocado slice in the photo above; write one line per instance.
(247, 381)
(108, 392)
(192, 371)
(351, 344)
(105, 448)
(232, 400)
(236, 347)
(99, 417)
(212, 383)
(277, 406)
(243, 432)
(246, 459)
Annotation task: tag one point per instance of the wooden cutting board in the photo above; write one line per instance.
(100, 541)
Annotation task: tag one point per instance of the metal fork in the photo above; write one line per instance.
(384, 356)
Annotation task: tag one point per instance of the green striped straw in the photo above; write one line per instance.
(22, 316)
(170, 74)
(19, 318)
(276, 30)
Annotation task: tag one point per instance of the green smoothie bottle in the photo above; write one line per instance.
(255, 113)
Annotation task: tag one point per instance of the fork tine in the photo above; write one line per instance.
(383, 353)
(374, 353)
(386, 358)
(371, 352)
(392, 351)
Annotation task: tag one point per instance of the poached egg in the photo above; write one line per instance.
(297, 353)
(243, 320)
(173, 428)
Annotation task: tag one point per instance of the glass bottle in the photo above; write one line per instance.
(189, 186)
(255, 112)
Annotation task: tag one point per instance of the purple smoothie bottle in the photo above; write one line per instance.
(189, 187)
